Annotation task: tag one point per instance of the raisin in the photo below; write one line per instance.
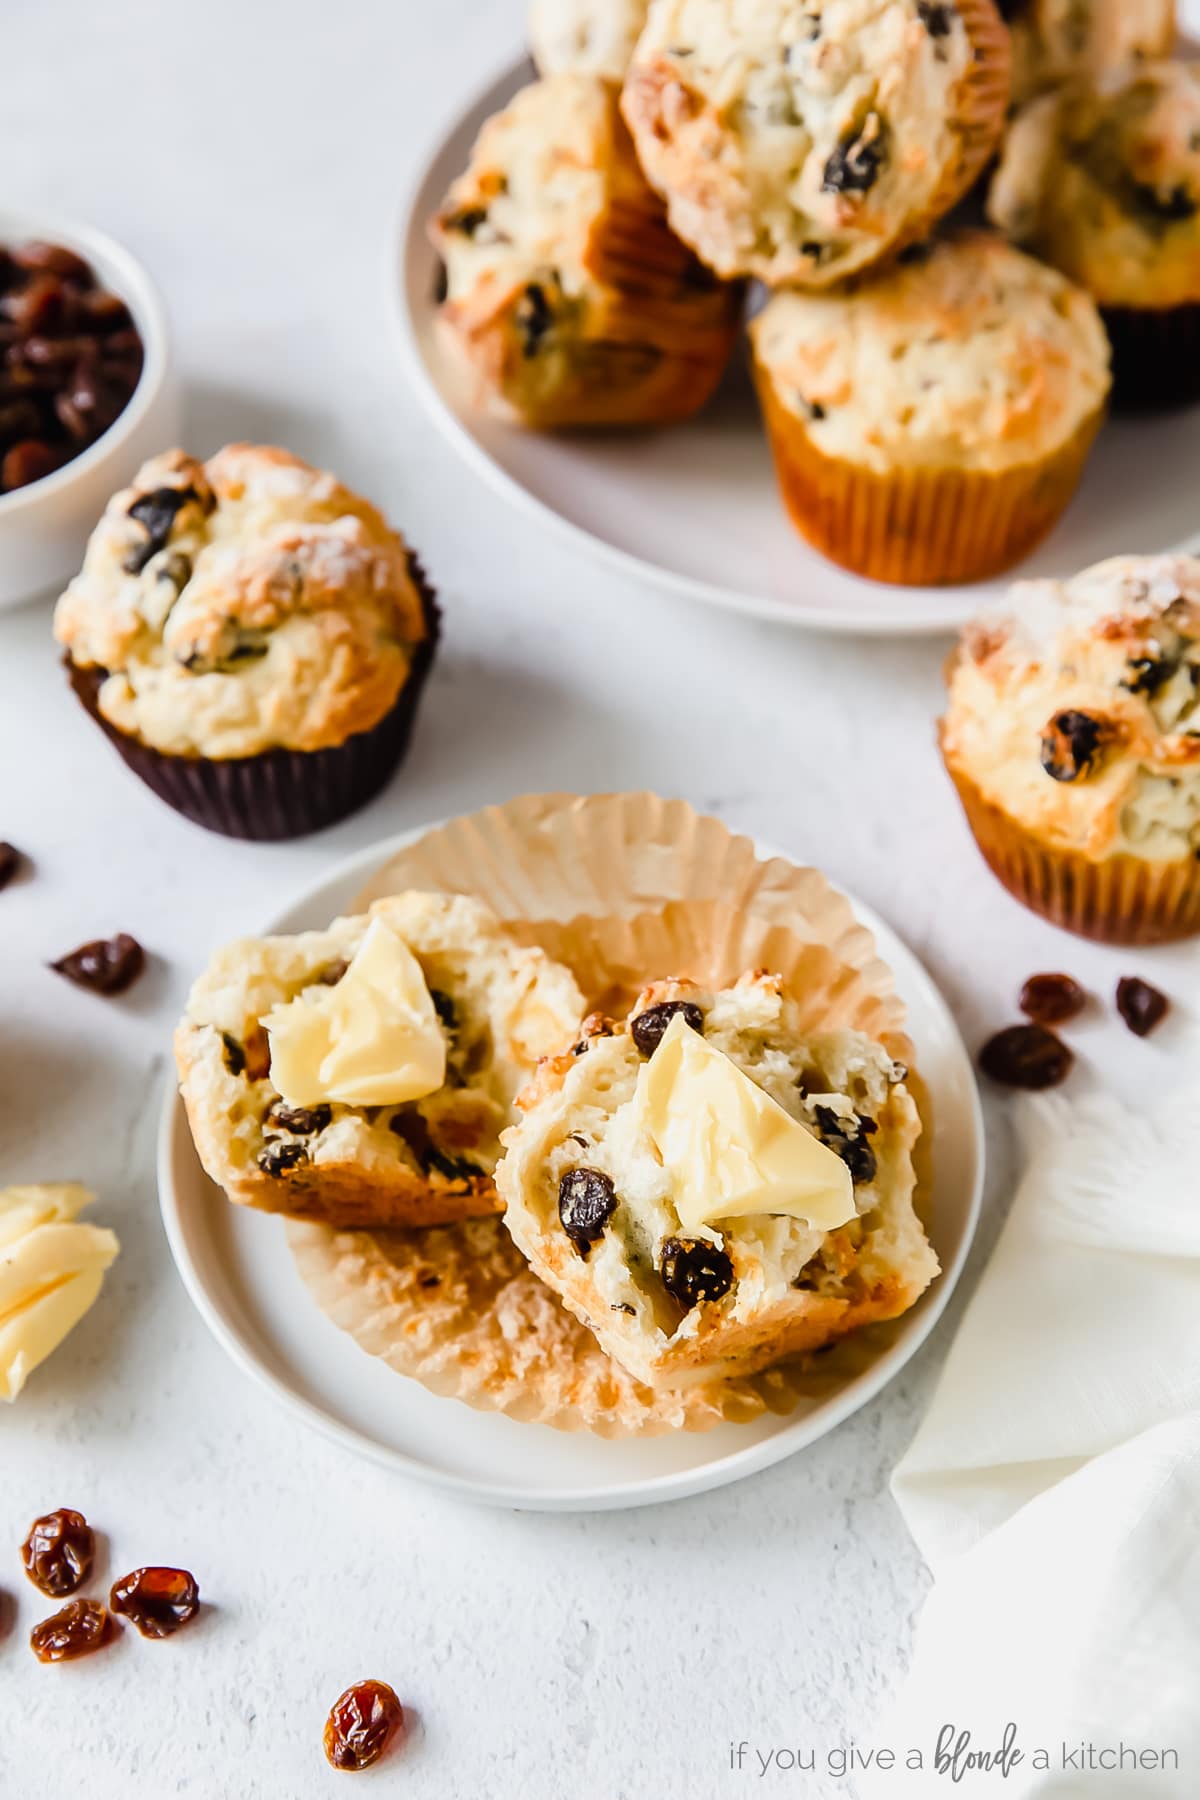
(534, 318)
(693, 1271)
(937, 19)
(157, 1601)
(650, 1027)
(10, 862)
(330, 976)
(26, 462)
(362, 1724)
(1052, 999)
(455, 1169)
(1171, 207)
(587, 1200)
(52, 259)
(77, 1629)
(1141, 1006)
(233, 1054)
(279, 1157)
(467, 220)
(306, 1120)
(848, 1139)
(176, 569)
(413, 1129)
(855, 164)
(1026, 1056)
(445, 1009)
(812, 410)
(106, 965)
(594, 1026)
(1070, 744)
(59, 1552)
(1146, 674)
(155, 512)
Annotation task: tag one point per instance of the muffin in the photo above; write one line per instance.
(585, 37)
(710, 1190)
(930, 423)
(1059, 40)
(1073, 737)
(361, 1076)
(568, 302)
(1104, 182)
(801, 143)
(252, 637)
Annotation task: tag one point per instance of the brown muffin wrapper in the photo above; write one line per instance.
(279, 793)
(1121, 900)
(1156, 356)
(919, 527)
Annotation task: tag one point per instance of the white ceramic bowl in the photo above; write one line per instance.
(44, 527)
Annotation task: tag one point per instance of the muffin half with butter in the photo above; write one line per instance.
(1073, 737)
(361, 1076)
(568, 301)
(710, 1190)
(252, 637)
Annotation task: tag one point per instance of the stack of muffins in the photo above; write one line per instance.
(931, 391)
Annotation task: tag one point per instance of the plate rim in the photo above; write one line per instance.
(724, 1471)
(408, 230)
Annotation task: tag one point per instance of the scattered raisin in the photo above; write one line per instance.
(362, 1724)
(233, 1054)
(848, 1139)
(155, 512)
(855, 164)
(279, 1157)
(1069, 745)
(1146, 674)
(454, 1169)
(106, 965)
(1026, 1056)
(1170, 207)
(59, 1552)
(650, 1027)
(1052, 999)
(10, 862)
(1141, 1006)
(157, 1601)
(26, 461)
(467, 220)
(306, 1120)
(77, 1629)
(693, 1271)
(937, 18)
(587, 1200)
(445, 1009)
(534, 318)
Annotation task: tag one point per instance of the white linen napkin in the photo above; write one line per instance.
(1054, 1487)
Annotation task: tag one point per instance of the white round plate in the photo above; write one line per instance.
(695, 510)
(237, 1268)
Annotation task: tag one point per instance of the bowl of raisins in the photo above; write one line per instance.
(86, 391)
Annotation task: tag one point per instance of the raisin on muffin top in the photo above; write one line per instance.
(965, 353)
(1075, 707)
(1104, 181)
(241, 605)
(796, 141)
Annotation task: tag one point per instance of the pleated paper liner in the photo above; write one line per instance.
(1156, 356)
(920, 527)
(1120, 900)
(604, 883)
(279, 793)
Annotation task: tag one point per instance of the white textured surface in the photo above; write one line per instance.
(614, 1657)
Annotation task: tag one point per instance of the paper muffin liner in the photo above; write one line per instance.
(920, 527)
(1156, 356)
(279, 793)
(1120, 900)
(625, 888)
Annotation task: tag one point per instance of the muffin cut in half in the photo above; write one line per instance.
(632, 1181)
(801, 143)
(930, 423)
(1102, 180)
(252, 637)
(1073, 737)
(568, 301)
(361, 1076)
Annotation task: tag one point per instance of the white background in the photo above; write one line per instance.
(253, 155)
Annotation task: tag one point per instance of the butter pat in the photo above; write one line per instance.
(51, 1270)
(373, 1040)
(728, 1147)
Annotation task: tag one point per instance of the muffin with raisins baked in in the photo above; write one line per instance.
(930, 422)
(253, 638)
(568, 301)
(710, 1190)
(1059, 40)
(801, 143)
(1073, 737)
(585, 37)
(361, 1076)
(1103, 181)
